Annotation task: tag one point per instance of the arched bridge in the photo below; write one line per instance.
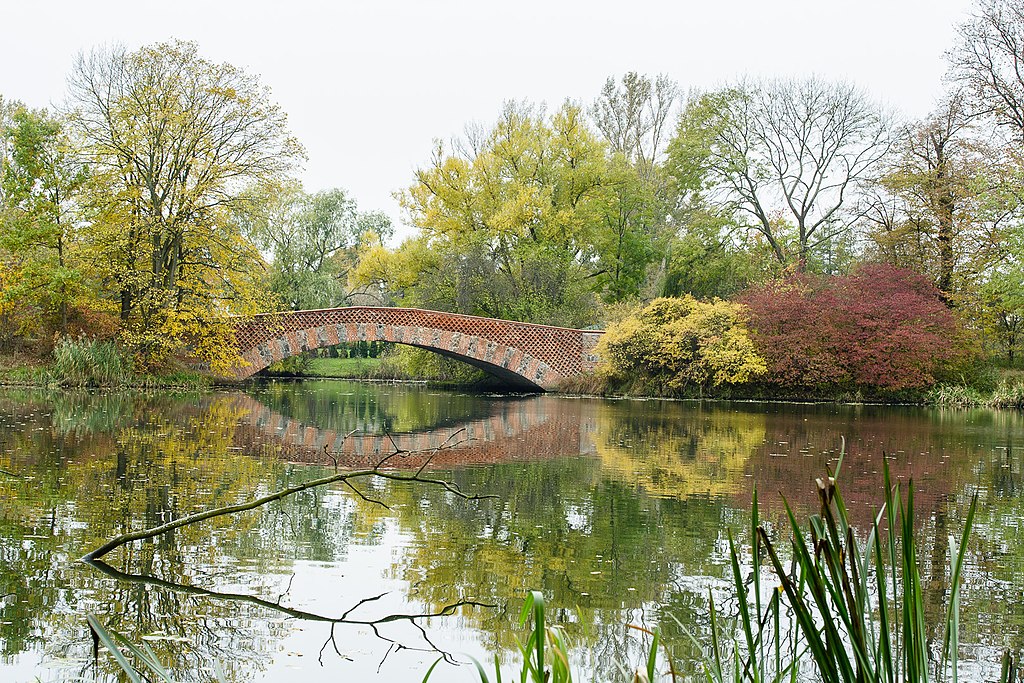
(523, 355)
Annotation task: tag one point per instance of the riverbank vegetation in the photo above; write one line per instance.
(862, 252)
(82, 362)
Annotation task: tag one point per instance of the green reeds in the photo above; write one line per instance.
(854, 611)
(546, 652)
(88, 362)
(150, 670)
(1006, 395)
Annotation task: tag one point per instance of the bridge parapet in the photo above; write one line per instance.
(528, 356)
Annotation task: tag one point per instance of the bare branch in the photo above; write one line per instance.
(294, 613)
(344, 477)
(365, 497)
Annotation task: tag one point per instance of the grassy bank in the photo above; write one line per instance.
(344, 368)
(96, 364)
(35, 375)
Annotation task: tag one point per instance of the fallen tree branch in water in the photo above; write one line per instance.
(345, 477)
(303, 615)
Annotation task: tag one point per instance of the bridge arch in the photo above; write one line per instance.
(524, 356)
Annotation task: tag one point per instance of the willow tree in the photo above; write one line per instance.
(175, 141)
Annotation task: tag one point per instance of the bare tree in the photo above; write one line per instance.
(633, 117)
(988, 62)
(789, 155)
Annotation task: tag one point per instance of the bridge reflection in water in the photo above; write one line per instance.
(527, 429)
(613, 508)
(664, 449)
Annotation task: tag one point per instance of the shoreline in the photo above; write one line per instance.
(195, 382)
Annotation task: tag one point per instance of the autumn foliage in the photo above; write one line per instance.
(879, 327)
(680, 342)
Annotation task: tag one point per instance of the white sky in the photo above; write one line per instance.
(368, 85)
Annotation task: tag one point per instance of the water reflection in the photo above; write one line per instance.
(618, 510)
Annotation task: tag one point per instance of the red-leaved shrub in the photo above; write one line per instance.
(879, 327)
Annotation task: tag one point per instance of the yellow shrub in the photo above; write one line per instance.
(682, 342)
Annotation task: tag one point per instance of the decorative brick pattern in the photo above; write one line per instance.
(531, 356)
(520, 431)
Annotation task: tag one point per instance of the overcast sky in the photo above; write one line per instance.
(368, 85)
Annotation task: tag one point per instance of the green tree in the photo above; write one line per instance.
(632, 230)
(944, 205)
(40, 178)
(531, 220)
(998, 307)
(513, 215)
(634, 117)
(711, 258)
(313, 241)
(173, 141)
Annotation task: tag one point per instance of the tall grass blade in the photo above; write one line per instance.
(803, 614)
(744, 606)
(951, 642)
(108, 641)
(426, 676)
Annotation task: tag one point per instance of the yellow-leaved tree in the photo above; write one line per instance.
(682, 342)
(178, 146)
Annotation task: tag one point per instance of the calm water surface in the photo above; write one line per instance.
(617, 510)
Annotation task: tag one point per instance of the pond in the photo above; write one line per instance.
(618, 510)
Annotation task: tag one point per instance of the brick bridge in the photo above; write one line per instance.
(523, 355)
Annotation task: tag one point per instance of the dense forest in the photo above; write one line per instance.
(788, 234)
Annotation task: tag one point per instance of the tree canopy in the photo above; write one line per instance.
(163, 198)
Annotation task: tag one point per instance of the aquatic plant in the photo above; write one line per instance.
(855, 611)
(844, 611)
(954, 396)
(547, 649)
(144, 656)
(88, 362)
(1007, 395)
